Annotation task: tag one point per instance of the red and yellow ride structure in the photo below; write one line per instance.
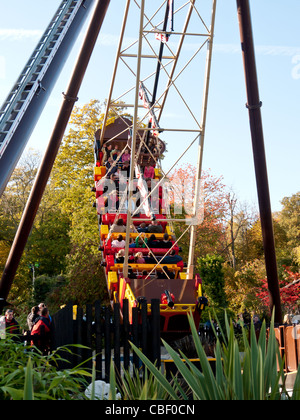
(166, 281)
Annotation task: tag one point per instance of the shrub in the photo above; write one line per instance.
(211, 272)
(26, 374)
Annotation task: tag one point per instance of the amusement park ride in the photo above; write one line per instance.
(161, 43)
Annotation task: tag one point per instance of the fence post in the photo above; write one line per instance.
(117, 344)
(135, 335)
(107, 344)
(79, 338)
(63, 332)
(126, 328)
(144, 332)
(155, 332)
(98, 331)
(88, 352)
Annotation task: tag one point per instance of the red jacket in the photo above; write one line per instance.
(41, 329)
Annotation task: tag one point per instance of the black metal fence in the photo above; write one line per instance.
(107, 333)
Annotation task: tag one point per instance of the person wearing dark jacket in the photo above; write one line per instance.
(171, 258)
(165, 243)
(33, 317)
(166, 274)
(152, 242)
(155, 227)
(40, 332)
(12, 326)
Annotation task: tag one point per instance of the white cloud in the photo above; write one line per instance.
(275, 50)
(112, 40)
(19, 34)
(2, 67)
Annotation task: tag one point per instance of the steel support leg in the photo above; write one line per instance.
(38, 189)
(254, 106)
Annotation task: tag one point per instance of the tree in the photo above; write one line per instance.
(71, 181)
(212, 275)
(255, 248)
(44, 286)
(85, 276)
(14, 198)
(48, 242)
(65, 230)
(72, 175)
(210, 232)
(240, 286)
(289, 291)
(289, 219)
(238, 220)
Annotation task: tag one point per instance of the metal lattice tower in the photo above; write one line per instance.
(162, 67)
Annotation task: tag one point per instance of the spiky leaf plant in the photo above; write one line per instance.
(259, 375)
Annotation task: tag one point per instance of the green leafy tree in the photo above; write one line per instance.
(212, 274)
(289, 219)
(85, 276)
(71, 180)
(241, 284)
(44, 285)
(48, 242)
(14, 198)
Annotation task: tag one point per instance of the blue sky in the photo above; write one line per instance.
(228, 150)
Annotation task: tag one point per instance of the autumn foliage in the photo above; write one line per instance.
(289, 291)
(212, 206)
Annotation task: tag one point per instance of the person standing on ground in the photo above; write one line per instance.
(41, 332)
(43, 305)
(11, 325)
(33, 317)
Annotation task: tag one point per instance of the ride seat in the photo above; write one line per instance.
(109, 250)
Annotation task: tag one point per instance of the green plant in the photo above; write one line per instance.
(135, 386)
(211, 272)
(255, 378)
(26, 374)
(28, 386)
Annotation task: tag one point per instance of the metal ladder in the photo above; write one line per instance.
(29, 82)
